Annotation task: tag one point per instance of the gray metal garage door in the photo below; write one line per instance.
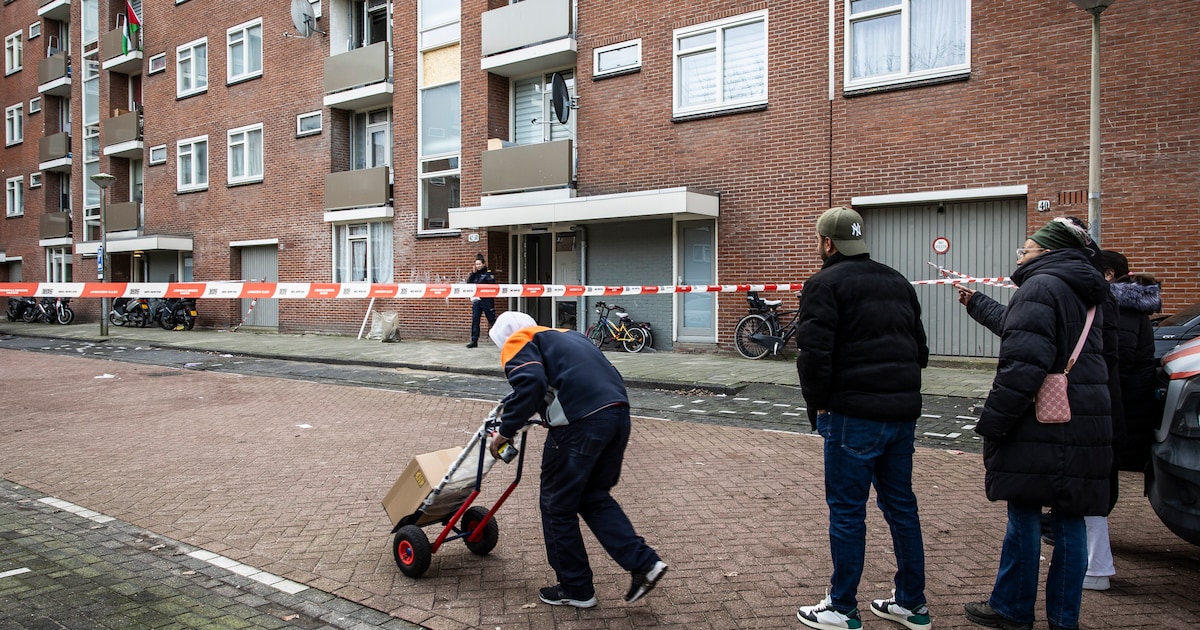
(261, 264)
(981, 237)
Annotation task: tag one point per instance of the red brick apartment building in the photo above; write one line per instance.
(392, 141)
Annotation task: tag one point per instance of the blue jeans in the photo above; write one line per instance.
(859, 453)
(581, 462)
(1015, 593)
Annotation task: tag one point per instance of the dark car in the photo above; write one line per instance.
(1176, 329)
(1173, 482)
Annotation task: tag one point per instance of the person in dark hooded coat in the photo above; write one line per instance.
(1030, 464)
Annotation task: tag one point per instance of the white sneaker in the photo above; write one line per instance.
(1096, 583)
(825, 617)
(916, 619)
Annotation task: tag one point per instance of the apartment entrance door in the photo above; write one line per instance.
(535, 265)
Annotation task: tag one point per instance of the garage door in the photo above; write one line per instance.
(261, 264)
(977, 238)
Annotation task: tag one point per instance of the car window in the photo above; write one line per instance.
(1182, 317)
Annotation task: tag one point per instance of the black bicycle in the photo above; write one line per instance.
(762, 331)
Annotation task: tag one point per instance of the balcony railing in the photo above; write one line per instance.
(54, 225)
(54, 153)
(358, 79)
(123, 216)
(526, 37)
(116, 58)
(123, 136)
(54, 75)
(364, 188)
(527, 167)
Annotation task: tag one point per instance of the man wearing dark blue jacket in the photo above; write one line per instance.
(862, 348)
(581, 398)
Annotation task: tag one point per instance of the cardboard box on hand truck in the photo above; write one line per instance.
(420, 477)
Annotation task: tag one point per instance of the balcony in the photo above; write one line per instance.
(55, 225)
(116, 58)
(527, 37)
(54, 75)
(364, 188)
(527, 167)
(123, 217)
(358, 79)
(54, 153)
(123, 136)
(55, 10)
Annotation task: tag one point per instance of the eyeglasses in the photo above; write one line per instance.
(1025, 250)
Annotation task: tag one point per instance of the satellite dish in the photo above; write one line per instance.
(560, 98)
(304, 19)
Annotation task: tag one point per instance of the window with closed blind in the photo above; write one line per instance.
(533, 116)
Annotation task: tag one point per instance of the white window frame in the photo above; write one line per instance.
(244, 30)
(35, 30)
(598, 53)
(187, 54)
(14, 124)
(716, 27)
(187, 148)
(35, 180)
(244, 137)
(158, 63)
(13, 53)
(300, 119)
(58, 264)
(14, 196)
(362, 146)
(157, 155)
(342, 240)
(35, 105)
(903, 8)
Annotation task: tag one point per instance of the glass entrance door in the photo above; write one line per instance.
(696, 262)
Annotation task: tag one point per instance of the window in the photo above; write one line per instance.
(441, 142)
(362, 252)
(371, 139)
(191, 68)
(14, 197)
(245, 51)
(35, 105)
(191, 160)
(533, 116)
(721, 65)
(14, 124)
(617, 58)
(439, 12)
(158, 63)
(308, 124)
(368, 22)
(35, 180)
(12, 53)
(246, 154)
(439, 192)
(58, 264)
(893, 41)
(441, 126)
(158, 154)
(35, 30)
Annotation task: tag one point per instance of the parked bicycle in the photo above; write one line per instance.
(762, 331)
(633, 336)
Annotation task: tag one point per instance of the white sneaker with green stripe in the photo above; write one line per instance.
(916, 619)
(825, 617)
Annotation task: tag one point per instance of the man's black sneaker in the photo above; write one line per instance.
(473, 344)
(982, 614)
(644, 582)
(555, 596)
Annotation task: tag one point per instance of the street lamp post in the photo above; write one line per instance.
(1095, 7)
(103, 180)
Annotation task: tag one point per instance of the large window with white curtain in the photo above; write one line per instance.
(895, 41)
(362, 252)
(246, 154)
(721, 65)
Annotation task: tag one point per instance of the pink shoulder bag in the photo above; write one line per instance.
(1052, 405)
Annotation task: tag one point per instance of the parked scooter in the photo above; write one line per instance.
(17, 306)
(176, 314)
(51, 311)
(131, 311)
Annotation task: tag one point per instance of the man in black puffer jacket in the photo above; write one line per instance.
(862, 348)
(1030, 464)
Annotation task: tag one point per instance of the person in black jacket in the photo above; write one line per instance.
(1029, 464)
(862, 349)
(581, 397)
(481, 306)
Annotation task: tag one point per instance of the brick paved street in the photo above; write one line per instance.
(286, 477)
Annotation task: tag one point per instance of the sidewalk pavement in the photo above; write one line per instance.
(724, 372)
(285, 477)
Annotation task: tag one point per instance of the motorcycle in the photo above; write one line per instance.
(132, 311)
(176, 314)
(17, 306)
(51, 311)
